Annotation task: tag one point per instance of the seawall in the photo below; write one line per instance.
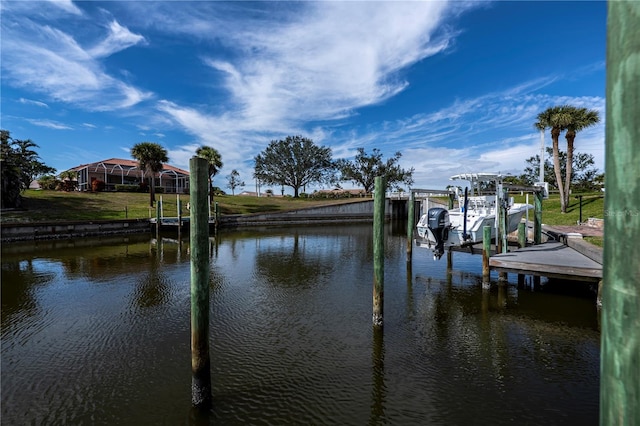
(358, 211)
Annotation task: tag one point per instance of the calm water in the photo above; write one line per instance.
(97, 332)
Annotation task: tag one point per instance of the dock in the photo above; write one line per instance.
(173, 223)
(550, 259)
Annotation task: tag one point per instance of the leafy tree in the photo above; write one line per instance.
(579, 119)
(364, 169)
(573, 120)
(151, 157)
(295, 162)
(583, 178)
(20, 164)
(554, 119)
(215, 163)
(234, 181)
(69, 180)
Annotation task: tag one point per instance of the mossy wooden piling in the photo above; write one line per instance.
(410, 225)
(486, 253)
(537, 218)
(378, 251)
(620, 348)
(199, 234)
(522, 235)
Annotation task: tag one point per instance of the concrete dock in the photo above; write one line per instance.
(550, 259)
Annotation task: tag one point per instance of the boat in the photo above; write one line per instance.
(439, 228)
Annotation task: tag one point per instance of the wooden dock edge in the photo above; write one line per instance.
(576, 242)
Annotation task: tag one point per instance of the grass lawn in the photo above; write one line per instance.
(41, 206)
(56, 206)
(592, 206)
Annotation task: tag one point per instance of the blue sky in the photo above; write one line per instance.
(454, 86)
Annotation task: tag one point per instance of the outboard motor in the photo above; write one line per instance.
(438, 224)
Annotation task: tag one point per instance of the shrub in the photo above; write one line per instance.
(97, 185)
(48, 182)
(159, 189)
(68, 185)
(218, 191)
(127, 188)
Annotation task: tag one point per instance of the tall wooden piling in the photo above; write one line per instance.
(378, 251)
(410, 225)
(486, 253)
(199, 227)
(620, 341)
(537, 218)
(158, 219)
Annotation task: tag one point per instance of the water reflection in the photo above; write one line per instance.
(99, 329)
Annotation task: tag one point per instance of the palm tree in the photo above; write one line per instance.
(556, 119)
(580, 118)
(215, 163)
(151, 157)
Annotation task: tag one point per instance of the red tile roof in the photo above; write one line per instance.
(128, 164)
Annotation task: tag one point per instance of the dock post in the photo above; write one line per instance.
(499, 223)
(537, 218)
(157, 218)
(216, 217)
(199, 226)
(486, 254)
(505, 220)
(410, 226)
(522, 235)
(378, 251)
(179, 207)
(620, 341)
(501, 237)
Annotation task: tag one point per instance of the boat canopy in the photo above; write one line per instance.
(479, 177)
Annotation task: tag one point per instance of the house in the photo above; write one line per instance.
(118, 171)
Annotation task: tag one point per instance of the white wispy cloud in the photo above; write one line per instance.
(51, 124)
(32, 102)
(119, 38)
(51, 62)
(66, 5)
(332, 59)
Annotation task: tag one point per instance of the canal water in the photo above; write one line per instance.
(97, 332)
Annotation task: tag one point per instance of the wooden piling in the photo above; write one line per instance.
(486, 254)
(505, 221)
(537, 218)
(501, 237)
(158, 220)
(522, 235)
(199, 227)
(620, 341)
(500, 222)
(410, 226)
(378, 251)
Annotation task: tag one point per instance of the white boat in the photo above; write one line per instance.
(441, 228)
